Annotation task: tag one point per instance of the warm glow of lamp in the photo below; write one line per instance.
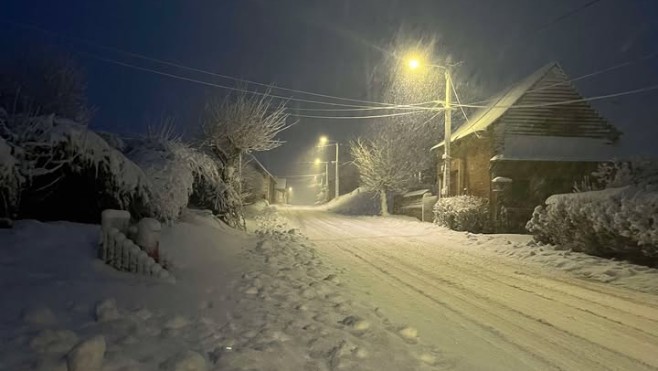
(413, 63)
(318, 161)
(323, 140)
(289, 189)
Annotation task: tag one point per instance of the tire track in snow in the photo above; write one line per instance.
(482, 331)
(642, 310)
(337, 227)
(642, 348)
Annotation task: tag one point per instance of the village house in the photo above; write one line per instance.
(281, 191)
(265, 184)
(524, 147)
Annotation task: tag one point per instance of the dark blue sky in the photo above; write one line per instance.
(325, 46)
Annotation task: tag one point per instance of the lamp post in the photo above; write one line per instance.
(323, 143)
(326, 175)
(414, 63)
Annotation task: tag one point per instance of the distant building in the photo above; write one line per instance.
(521, 149)
(281, 191)
(261, 180)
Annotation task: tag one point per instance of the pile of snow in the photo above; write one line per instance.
(616, 222)
(357, 202)
(522, 247)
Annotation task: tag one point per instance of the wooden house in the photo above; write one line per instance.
(266, 184)
(532, 140)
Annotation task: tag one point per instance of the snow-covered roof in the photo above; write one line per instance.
(281, 184)
(259, 166)
(528, 108)
(547, 148)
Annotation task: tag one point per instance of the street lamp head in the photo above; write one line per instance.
(413, 63)
(323, 140)
(317, 161)
(289, 189)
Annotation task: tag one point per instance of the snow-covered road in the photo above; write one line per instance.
(484, 310)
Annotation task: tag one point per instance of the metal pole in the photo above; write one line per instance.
(337, 182)
(326, 179)
(448, 134)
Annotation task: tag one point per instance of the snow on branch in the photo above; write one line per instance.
(245, 123)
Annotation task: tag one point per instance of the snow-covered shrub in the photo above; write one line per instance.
(617, 222)
(55, 155)
(639, 171)
(463, 213)
(181, 175)
(10, 180)
(169, 175)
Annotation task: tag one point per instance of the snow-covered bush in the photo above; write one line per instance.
(49, 152)
(463, 213)
(617, 222)
(181, 175)
(10, 180)
(169, 175)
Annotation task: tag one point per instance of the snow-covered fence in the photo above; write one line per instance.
(416, 203)
(122, 253)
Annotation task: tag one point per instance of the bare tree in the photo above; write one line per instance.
(46, 82)
(384, 166)
(244, 123)
(393, 81)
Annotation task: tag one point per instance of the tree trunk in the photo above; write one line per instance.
(384, 202)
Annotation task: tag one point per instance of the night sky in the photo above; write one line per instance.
(326, 47)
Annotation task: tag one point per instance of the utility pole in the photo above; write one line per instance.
(337, 182)
(326, 180)
(445, 191)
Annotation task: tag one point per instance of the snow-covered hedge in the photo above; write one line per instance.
(463, 213)
(10, 179)
(181, 175)
(45, 150)
(616, 222)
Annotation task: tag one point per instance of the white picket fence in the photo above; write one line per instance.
(121, 252)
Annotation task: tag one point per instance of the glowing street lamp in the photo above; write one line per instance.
(324, 143)
(413, 64)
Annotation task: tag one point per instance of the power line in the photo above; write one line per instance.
(566, 15)
(231, 88)
(357, 117)
(595, 98)
(599, 72)
(188, 68)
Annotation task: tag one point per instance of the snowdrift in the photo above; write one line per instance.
(357, 202)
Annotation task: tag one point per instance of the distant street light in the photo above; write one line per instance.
(413, 64)
(326, 174)
(324, 143)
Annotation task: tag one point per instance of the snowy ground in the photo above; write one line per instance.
(311, 290)
(537, 309)
(263, 301)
